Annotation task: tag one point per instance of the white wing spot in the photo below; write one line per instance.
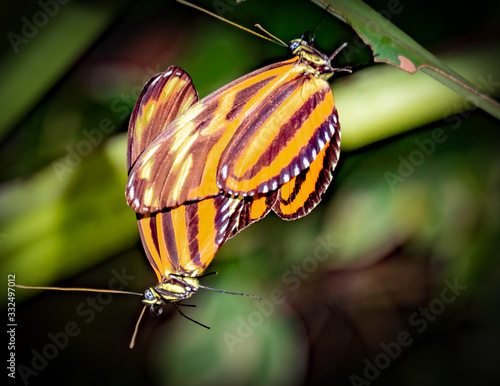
(131, 179)
(155, 81)
(136, 203)
(224, 172)
(314, 153)
(131, 193)
(296, 170)
(167, 73)
(223, 229)
(265, 188)
(286, 176)
(335, 118)
(321, 143)
(305, 162)
(274, 185)
(332, 129)
(224, 217)
(225, 206)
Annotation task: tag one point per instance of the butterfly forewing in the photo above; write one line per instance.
(163, 98)
(184, 240)
(249, 137)
(294, 129)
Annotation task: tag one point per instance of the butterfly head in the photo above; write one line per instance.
(318, 63)
(170, 290)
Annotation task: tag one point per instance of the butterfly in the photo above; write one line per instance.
(200, 171)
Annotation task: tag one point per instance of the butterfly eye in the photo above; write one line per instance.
(156, 310)
(148, 295)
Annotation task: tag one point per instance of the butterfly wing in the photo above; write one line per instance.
(184, 240)
(249, 137)
(303, 192)
(276, 143)
(163, 98)
(253, 209)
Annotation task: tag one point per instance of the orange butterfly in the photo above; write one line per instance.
(202, 170)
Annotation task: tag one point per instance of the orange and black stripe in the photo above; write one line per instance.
(201, 171)
(184, 240)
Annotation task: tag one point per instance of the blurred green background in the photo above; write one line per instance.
(393, 279)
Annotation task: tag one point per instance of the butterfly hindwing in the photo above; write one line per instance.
(253, 209)
(301, 194)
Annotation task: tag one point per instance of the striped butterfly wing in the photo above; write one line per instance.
(299, 196)
(253, 209)
(248, 138)
(184, 240)
(163, 98)
(275, 144)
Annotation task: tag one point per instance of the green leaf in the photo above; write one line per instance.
(391, 45)
(380, 102)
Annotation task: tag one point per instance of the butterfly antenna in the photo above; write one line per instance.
(187, 317)
(230, 293)
(207, 274)
(327, 8)
(136, 329)
(277, 41)
(107, 291)
(271, 35)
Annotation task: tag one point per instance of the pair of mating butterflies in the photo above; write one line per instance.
(201, 171)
